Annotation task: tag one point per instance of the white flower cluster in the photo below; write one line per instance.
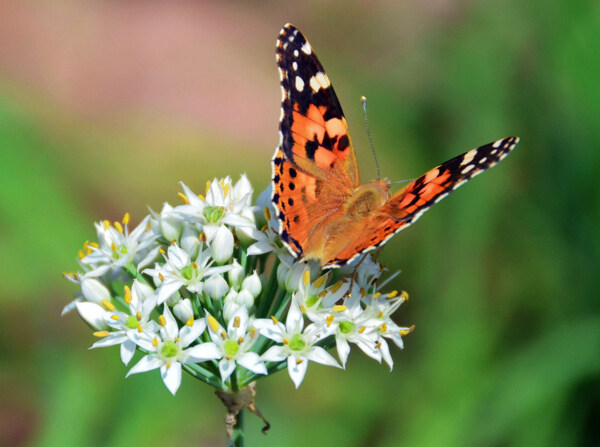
(199, 287)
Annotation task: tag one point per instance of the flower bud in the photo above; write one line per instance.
(252, 284)
(215, 287)
(244, 298)
(190, 242)
(92, 314)
(242, 190)
(229, 308)
(235, 276)
(173, 299)
(294, 276)
(245, 233)
(282, 272)
(141, 290)
(94, 291)
(184, 310)
(170, 226)
(222, 245)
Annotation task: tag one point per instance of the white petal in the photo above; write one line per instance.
(188, 334)
(236, 220)
(127, 351)
(115, 338)
(178, 257)
(141, 291)
(92, 314)
(269, 329)
(259, 248)
(226, 368)
(297, 369)
(146, 363)
(170, 328)
(252, 362)
(343, 349)
(222, 245)
(94, 291)
(385, 351)
(274, 354)
(171, 376)
(194, 200)
(168, 288)
(295, 320)
(320, 355)
(202, 353)
(240, 316)
(148, 259)
(143, 340)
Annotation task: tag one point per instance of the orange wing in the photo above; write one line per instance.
(314, 168)
(406, 206)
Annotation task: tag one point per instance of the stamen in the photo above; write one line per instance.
(302, 309)
(183, 198)
(306, 277)
(267, 213)
(264, 228)
(140, 330)
(228, 356)
(319, 282)
(236, 322)
(176, 339)
(109, 306)
(329, 320)
(118, 227)
(161, 251)
(114, 317)
(106, 225)
(274, 319)
(148, 226)
(223, 335)
(252, 332)
(226, 190)
(407, 331)
(285, 341)
(162, 321)
(363, 292)
(100, 334)
(240, 340)
(168, 365)
(127, 295)
(113, 247)
(376, 295)
(155, 342)
(380, 314)
(383, 328)
(138, 316)
(323, 294)
(298, 361)
(377, 345)
(195, 265)
(161, 277)
(214, 324)
(126, 219)
(361, 330)
(339, 308)
(202, 237)
(392, 294)
(404, 295)
(201, 197)
(207, 187)
(190, 322)
(94, 244)
(336, 286)
(80, 254)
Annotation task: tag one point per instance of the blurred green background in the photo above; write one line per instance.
(106, 105)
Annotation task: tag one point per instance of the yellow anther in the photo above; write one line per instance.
(114, 317)
(118, 227)
(363, 292)
(240, 340)
(339, 308)
(162, 251)
(101, 334)
(362, 329)
(148, 226)
(213, 323)
(113, 247)
(228, 356)
(252, 332)
(377, 345)
(168, 365)
(329, 320)
(302, 308)
(323, 294)
(285, 341)
(407, 331)
(176, 339)
(404, 295)
(320, 281)
(80, 254)
(161, 277)
(155, 342)
(298, 361)
(106, 225)
(202, 237)
(380, 314)
(225, 190)
(336, 286)
(85, 245)
(264, 228)
(274, 319)
(183, 198)
(140, 330)
(236, 322)
(267, 213)
(392, 294)
(207, 187)
(109, 306)
(127, 295)
(306, 277)
(190, 322)
(223, 335)
(94, 244)
(201, 197)
(376, 295)
(138, 316)
(126, 219)
(195, 266)
(383, 328)
(162, 321)
(173, 242)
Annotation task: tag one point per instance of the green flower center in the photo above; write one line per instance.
(213, 214)
(187, 272)
(311, 300)
(231, 348)
(347, 326)
(297, 343)
(131, 322)
(169, 349)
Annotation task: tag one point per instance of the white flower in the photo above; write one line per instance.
(171, 225)
(183, 310)
(216, 287)
(92, 314)
(94, 291)
(252, 284)
(295, 343)
(126, 326)
(118, 248)
(222, 244)
(179, 271)
(235, 343)
(190, 241)
(317, 301)
(235, 276)
(168, 350)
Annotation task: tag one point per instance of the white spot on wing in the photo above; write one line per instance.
(296, 53)
(299, 83)
(497, 143)
(468, 157)
(306, 48)
(295, 65)
(467, 169)
(323, 79)
(483, 160)
(314, 84)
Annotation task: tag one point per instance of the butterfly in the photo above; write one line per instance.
(324, 212)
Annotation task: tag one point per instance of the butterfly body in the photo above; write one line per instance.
(325, 213)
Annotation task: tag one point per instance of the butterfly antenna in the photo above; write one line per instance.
(402, 181)
(363, 99)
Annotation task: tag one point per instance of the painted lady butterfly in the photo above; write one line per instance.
(324, 212)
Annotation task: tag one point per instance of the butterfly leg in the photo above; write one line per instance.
(354, 272)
